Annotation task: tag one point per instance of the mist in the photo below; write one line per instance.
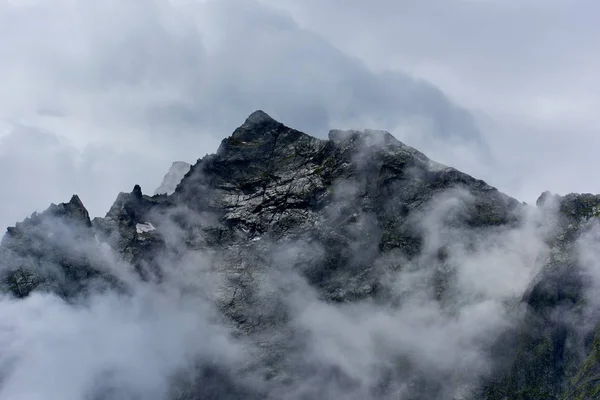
(441, 313)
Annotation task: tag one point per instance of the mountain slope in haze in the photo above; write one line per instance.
(173, 177)
(286, 266)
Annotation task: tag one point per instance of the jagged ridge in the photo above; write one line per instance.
(350, 201)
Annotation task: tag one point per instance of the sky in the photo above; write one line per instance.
(99, 96)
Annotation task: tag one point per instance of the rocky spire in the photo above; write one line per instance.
(137, 192)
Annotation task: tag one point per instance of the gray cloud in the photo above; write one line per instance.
(493, 49)
(525, 68)
(167, 82)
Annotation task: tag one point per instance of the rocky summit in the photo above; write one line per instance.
(292, 267)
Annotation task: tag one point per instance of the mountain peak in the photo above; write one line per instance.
(258, 117)
(76, 201)
(258, 125)
(137, 191)
(257, 137)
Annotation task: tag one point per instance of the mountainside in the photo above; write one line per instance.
(173, 177)
(290, 267)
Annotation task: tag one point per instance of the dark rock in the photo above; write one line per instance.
(51, 252)
(342, 213)
(137, 192)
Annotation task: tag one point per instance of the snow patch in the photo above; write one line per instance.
(145, 227)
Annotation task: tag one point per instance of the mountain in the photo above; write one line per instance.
(287, 266)
(173, 177)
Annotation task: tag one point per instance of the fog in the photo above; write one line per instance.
(436, 328)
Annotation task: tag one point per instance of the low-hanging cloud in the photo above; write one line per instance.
(254, 313)
(131, 341)
(433, 335)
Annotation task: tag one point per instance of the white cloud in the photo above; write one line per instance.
(54, 350)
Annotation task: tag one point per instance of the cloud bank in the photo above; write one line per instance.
(124, 89)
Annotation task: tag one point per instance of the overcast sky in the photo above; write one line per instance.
(100, 95)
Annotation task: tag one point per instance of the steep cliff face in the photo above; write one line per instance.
(353, 267)
(556, 346)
